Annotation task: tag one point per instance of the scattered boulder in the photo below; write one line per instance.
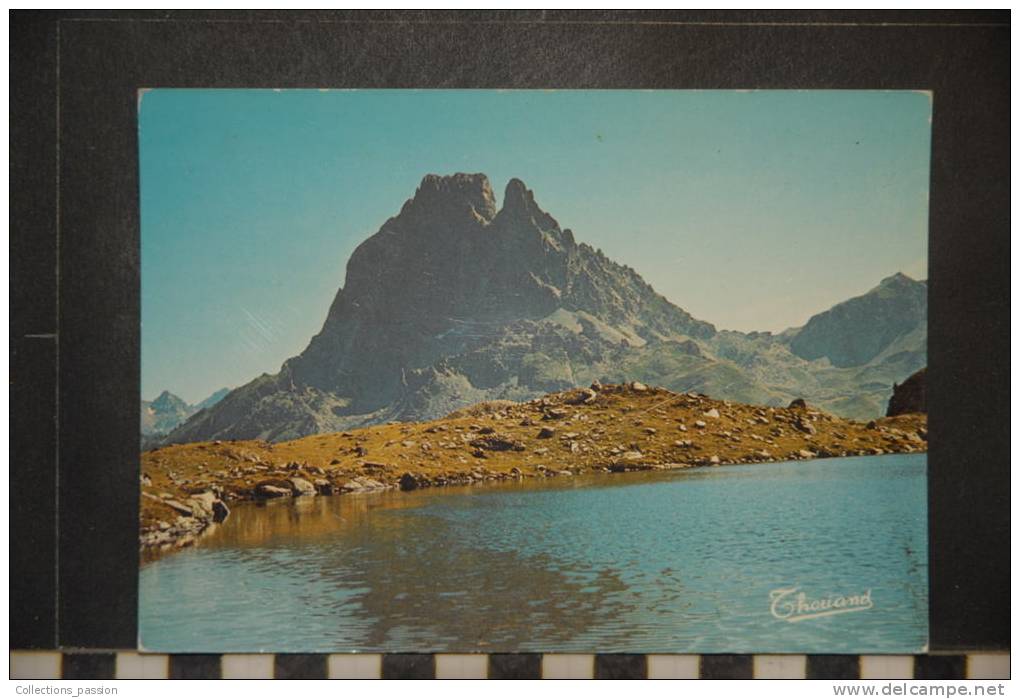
(361, 483)
(299, 486)
(804, 426)
(178, 507)
(638, 386)
(797, 404)
(546, 433)
(220, 510)
(583, 396)
(408, 482)
(497, 442)
(266, 490)
(202, 505)
(713, 413)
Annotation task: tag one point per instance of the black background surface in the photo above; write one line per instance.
(75, 242)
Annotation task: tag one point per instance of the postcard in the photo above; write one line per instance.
(534, 371)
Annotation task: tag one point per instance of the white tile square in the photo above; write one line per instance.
(673, 667)
(887, 667)
(988, 666)
(462, 667)
(142, 666)
(247, 666)
(354, 666)
(780, 667)
(35, 665)
(563, 666)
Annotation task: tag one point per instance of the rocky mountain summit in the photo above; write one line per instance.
(167, 411)
(164, 413)
(857, 331)
(455, 301)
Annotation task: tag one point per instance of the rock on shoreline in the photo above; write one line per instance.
(909, 396)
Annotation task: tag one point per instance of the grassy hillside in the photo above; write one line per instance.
(612, 428)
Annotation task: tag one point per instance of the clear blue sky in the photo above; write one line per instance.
(751, 210)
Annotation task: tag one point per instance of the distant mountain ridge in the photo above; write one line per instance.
(167, 411)
(454, 301)
(856, 331)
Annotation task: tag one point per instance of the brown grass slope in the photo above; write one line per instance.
(610, 428)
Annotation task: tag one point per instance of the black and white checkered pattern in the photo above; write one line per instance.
(133, 665)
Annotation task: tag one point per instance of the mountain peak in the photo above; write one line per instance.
(517, 193)
(519, 204)
(854, 332)
(448, 303)
(449, 194)
(167, 399)
(897, 279)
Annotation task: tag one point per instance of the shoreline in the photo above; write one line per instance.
(612, 429)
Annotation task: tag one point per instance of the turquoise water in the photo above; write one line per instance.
(680, 561)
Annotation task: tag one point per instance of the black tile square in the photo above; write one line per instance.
(300, 666)
(940, 667)
(195, 666)
(621, 666)
(88, 666)
(409, 666)
(833, 667)
(515, 666)
(727, 667)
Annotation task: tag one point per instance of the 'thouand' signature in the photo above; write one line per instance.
(792, 605)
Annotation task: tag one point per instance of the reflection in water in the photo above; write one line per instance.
(678, 561)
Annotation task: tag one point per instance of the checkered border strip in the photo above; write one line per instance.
(90, 665)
